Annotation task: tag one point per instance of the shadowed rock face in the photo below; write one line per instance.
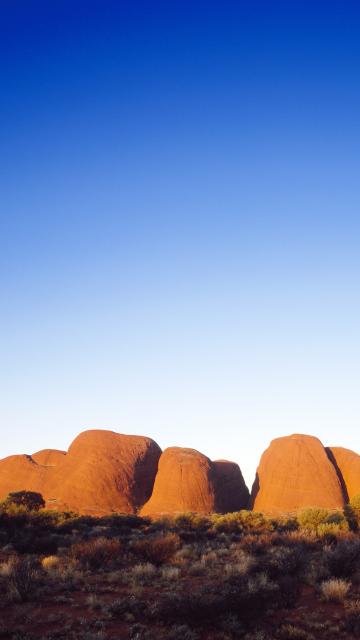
(184, 482)
(294, 473)
(348, 464)
(102, 472)
(231, 492)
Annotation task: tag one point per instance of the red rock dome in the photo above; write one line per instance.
(184, 482)
(231, 492)
(105, 471)
(49, 457)
(102, 472)
(294, 473)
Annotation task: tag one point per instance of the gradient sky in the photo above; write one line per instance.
(179, 223)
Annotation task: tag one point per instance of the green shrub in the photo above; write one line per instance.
(311, 518)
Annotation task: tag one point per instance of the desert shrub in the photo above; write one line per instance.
(283, 560)
(170, 573)
(23, 577)
(50, 563)
(124, 521)
(30, 500)
(343, 560)
(228, 523)
(291, 632)
(181, 632)
(33, 541)
(311, 518)
(284, 524)
(193, 521)
(157, 549)
(245, 597)
(143, 573)
(97, 553)
(123, 606)
(335, 589)
(352, 513)
(352, 617)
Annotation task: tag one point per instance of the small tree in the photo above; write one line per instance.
(31, 500)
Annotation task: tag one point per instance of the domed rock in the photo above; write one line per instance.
(49, 457)
(185, 482)
(294, 473)
(102, 472)
(231, 492)
(21, 472)
(347, 463)
(105, 471)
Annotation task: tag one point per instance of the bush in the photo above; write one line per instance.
(343, 559)
(352, 617)
(310, 519)
(30, 500)
(335, 589)
(157, 549)
(23, 577)
(96, 554)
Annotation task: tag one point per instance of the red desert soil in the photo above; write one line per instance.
(76, 614)
(348, 463)
(295, 472)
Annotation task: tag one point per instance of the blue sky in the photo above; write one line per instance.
(179, 223)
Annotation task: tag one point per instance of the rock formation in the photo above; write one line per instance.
(49, 457)
(231, 492)
(102, 472)
(21, 472)
(105, 471)
(184, 482)
(347, 463)
(188, 481)
(294, 473)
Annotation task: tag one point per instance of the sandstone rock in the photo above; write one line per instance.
(49, 457)
(231, 492)
(294, 473)
(184, 482)
(102, 472)
(188, 481)
(347, 462)
(21, 472)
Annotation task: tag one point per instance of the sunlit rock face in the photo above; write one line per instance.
(294, 473)
(188, 481)
(102, 472)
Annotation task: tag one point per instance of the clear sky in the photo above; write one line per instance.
(179, 222)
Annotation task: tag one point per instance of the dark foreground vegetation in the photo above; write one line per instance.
(240, 575)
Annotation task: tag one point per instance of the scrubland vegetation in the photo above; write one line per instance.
(191, 577)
